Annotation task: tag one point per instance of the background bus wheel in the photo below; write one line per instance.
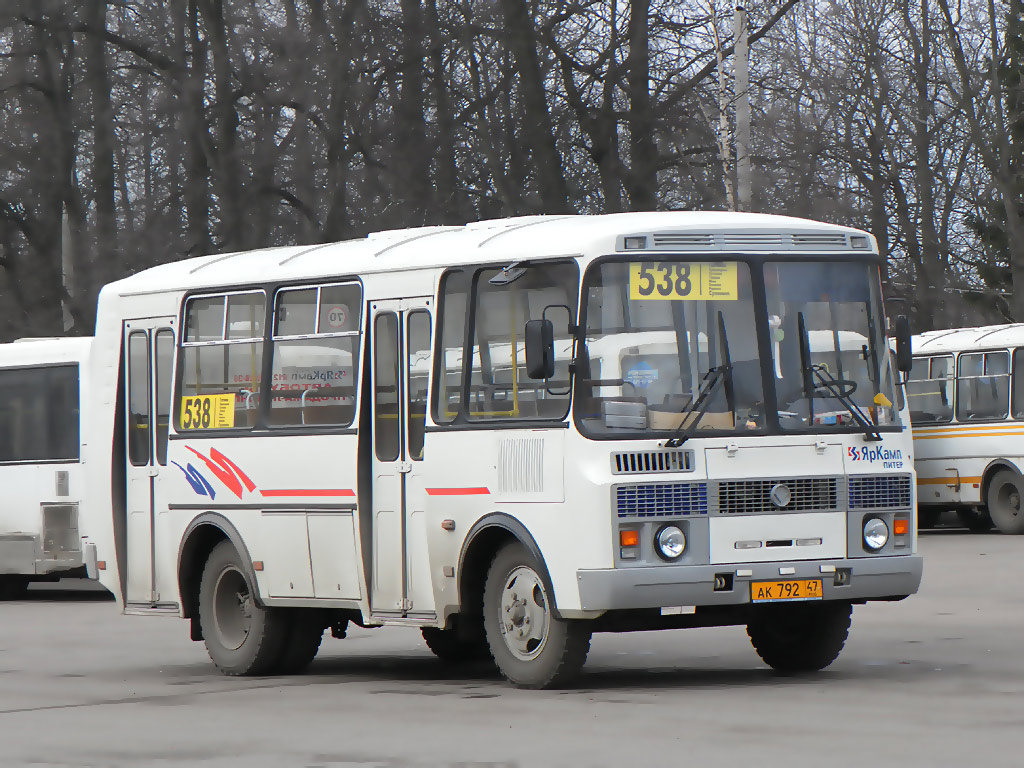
(458, 645)
(976, 520)
(241, 637)
(531, 647)
(13, 587)
(1004, 502)
(927, 518)
(304, 634)
(799, 638)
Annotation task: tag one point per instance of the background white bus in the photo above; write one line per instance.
(42, 473)
(966, 393)
(511, 435)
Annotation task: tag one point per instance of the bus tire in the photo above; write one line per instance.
(976, 520)
(241, 637)
(1005, 499)
(304, 634)
(800, 638)
(453, 647)
(13, 587)
(531, 647)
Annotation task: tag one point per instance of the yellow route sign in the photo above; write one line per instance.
(682, 280)
(208, 412)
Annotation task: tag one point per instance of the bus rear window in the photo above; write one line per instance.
(39, 414)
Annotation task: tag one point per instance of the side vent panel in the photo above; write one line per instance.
(646, 462)
(521, 465)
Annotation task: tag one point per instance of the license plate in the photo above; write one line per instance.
(780, 591)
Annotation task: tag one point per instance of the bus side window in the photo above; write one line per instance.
(1017, 383)
(315, 355)
(930, 389)
(454, 308)
(222, 354)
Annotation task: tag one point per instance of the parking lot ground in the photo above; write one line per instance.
(935, 680)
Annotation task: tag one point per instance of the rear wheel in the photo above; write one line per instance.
(1005, 493)
(304, 635)
(976, 520)
(532, 648)
(460, 644)
(241, 637)
(13, 587)
(800, 638)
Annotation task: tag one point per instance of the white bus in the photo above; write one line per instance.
(511, 435)
(966, 393)
(41, 461)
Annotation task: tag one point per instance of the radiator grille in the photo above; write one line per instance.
(662, 499)
(879, 491)
(630, 462)
(739, 497)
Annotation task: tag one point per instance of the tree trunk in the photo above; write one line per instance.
(643, 176)
(537, 129)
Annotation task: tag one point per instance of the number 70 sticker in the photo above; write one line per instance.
(683, 280)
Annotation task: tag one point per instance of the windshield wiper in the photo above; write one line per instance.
(720, 375)
(838, 389)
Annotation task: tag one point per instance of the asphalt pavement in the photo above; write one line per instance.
(935, 680)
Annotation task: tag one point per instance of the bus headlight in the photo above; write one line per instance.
(670, 542)
(876, 533)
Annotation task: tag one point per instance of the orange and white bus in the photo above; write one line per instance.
(966, 393)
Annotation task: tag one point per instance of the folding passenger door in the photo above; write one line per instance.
(400, 364)
(148, 355)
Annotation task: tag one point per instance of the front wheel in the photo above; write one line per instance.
(532, 648)
(801, 637)
(1004, 501)
(241, 637)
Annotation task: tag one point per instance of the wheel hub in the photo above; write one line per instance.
(232, 608)
(525, 617)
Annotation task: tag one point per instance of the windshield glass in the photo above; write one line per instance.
(830, 312)
(653, 339)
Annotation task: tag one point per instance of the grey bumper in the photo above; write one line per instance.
(663, 586)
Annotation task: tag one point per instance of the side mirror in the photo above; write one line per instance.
(540, 349)
(904, 352)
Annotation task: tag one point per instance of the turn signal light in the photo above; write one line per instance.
(900, 527)
(629, 538)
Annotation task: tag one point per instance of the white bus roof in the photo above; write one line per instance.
(967, 339)
(25, 352)
(498, 240)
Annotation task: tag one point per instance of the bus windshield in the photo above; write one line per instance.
(672, 346)
(658, 335)
(842, 376)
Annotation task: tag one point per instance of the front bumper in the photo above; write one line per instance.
(875, 578)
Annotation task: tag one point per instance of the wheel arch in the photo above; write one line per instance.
(489, 534)
(994, 467)
(204, 533)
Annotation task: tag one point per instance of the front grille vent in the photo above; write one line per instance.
(751, 238)
(682, 240)
(751, 497)
(820, 241)
(642, 462)
(879, 492)
(661, 499)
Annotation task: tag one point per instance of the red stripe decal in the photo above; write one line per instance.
(458, 492)
(310, 492)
